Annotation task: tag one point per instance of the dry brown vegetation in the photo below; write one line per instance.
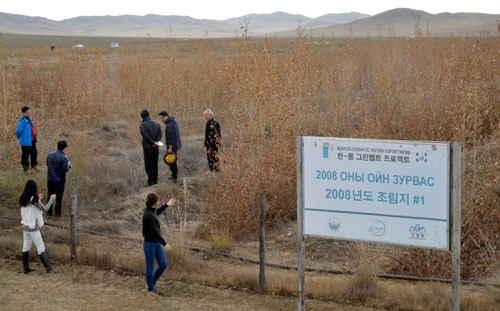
(264, 93)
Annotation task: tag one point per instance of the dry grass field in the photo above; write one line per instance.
(264, 93)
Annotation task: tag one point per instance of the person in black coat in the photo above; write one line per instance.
(172, 140)
(213, 140)
(151, 135)
(154, 244)
(57, 167)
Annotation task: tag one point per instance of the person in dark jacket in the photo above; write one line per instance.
(213, 140)
(172, 139)
(154, 244)
(57, 167)
(151, 135)
(26, 134)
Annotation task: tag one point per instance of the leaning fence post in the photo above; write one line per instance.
(262, 246)
(72, 219)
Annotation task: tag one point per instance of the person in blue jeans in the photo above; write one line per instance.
(154, 244)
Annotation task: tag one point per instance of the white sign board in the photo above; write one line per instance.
(377, 191)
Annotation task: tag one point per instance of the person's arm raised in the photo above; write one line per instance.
(160, 209)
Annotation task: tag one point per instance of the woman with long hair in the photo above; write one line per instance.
(31, 221)
(154, 244)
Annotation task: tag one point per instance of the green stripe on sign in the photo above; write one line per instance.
(373, 214)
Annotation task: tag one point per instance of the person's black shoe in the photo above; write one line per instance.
(172, 178)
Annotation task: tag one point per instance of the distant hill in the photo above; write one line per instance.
(400, 22)
(166, 26)
(334, 18)
(14, 23)
(259, 24)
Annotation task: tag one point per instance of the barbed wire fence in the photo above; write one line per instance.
(73, 232)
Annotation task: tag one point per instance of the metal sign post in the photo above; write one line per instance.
(300, 224)
(455, 224)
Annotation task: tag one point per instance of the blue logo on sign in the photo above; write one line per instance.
(377, 228)
(417, 232)
(334, 223)
(421, 157)
(325, 150)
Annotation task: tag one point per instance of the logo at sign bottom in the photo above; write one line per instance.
(334, 223)
(417, 232)
(377, 228)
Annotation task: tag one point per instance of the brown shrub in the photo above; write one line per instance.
(264, 93)
(95, 257)
(221, 242)
(113, 227)
(363, 285)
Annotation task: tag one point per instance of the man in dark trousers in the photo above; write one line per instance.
(57, 167)
(213, 140)
(26, 134)
(172, 139)
(151, 135)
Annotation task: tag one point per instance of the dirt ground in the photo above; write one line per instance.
(86, 288)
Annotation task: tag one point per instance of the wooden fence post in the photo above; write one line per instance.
(262, 246)
(73, 220)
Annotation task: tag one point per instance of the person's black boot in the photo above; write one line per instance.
(26, 260)
(45, 261)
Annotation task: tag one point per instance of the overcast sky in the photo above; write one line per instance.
(223, 9)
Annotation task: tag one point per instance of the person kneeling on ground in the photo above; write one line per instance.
(154, 244)
(32, 220)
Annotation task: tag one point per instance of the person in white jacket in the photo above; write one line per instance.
(31, 221)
